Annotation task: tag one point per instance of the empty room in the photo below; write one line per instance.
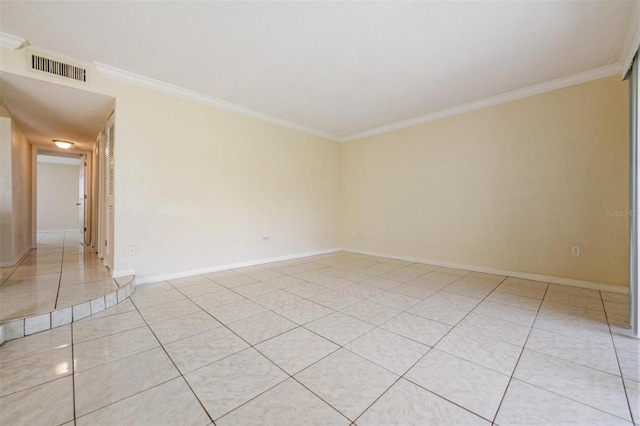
(319, 213)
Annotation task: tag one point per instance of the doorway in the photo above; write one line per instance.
(61, 193)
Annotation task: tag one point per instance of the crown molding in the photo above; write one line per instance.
(548, 86)
(11, 41)
(631, 40)
(139, 80)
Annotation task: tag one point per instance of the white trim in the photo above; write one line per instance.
(119, 273)
(11, 41)
(524, 275)
(548, 86)
(140, 80)
(631, 40)
(182, 274)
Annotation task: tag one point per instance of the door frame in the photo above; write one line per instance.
(88, 186)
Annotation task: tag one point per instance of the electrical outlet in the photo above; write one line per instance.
(575, 251)
(132, 250)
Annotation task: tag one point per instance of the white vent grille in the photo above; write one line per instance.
(51, 66)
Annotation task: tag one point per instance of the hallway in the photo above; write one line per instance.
(60, 273)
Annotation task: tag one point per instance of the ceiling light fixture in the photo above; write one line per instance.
(63, 144)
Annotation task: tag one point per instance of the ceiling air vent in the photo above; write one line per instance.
(62, 69)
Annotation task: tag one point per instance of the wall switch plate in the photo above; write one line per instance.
(132, 250)
(575, 251)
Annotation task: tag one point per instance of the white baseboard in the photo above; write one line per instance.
(524, 275)
(117, 273)
(182, 274)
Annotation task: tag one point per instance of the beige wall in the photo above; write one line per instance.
(21, 192)
(57, 197)
(6, 201)
(512, 187)
(15, 191)
(198, 187)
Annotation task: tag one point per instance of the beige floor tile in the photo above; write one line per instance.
(261, 327)
(389, 350)
(472, 386)
(40, 342)
(347, 382)
(506, 312)
(33, 370)
(458, 301)
(633, 395)
(235, 311)
(522, 406)
(303, 311)
(288, 403)
(408, 404)
(113, 347)
(297, 349)
(417, 328)
(494, 328)
(521, 287)
(335, 299)
(168, 310)
(52, 401)
(583, 352)
(201, 349)
(178, 328)
(591, 387)
(395, 300)
(200, 288)
(256, 289)
(112, 382)
(630, 365)
(435, 311)
(225, 385)
(95, 328)
(276, 299)
(491, 353)
(170, 403)
(147, 300)
(371, 312)
(339, 328)
(522, 302)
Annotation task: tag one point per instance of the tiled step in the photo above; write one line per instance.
(17, 328)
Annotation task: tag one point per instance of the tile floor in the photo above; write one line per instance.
(337, 339)
(59, 273)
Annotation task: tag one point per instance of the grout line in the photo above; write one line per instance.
(64, 239)
(73, 373)
(519, 356)
(615, 349)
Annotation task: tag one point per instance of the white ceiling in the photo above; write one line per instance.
(46, 111)
(336, 67)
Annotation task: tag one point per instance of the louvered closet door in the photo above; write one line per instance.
(109, 192)
(100, 197)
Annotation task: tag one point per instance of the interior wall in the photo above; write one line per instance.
(197, 186)
(513, 186)
(57, 197)
(6, 200)
(21, 191)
